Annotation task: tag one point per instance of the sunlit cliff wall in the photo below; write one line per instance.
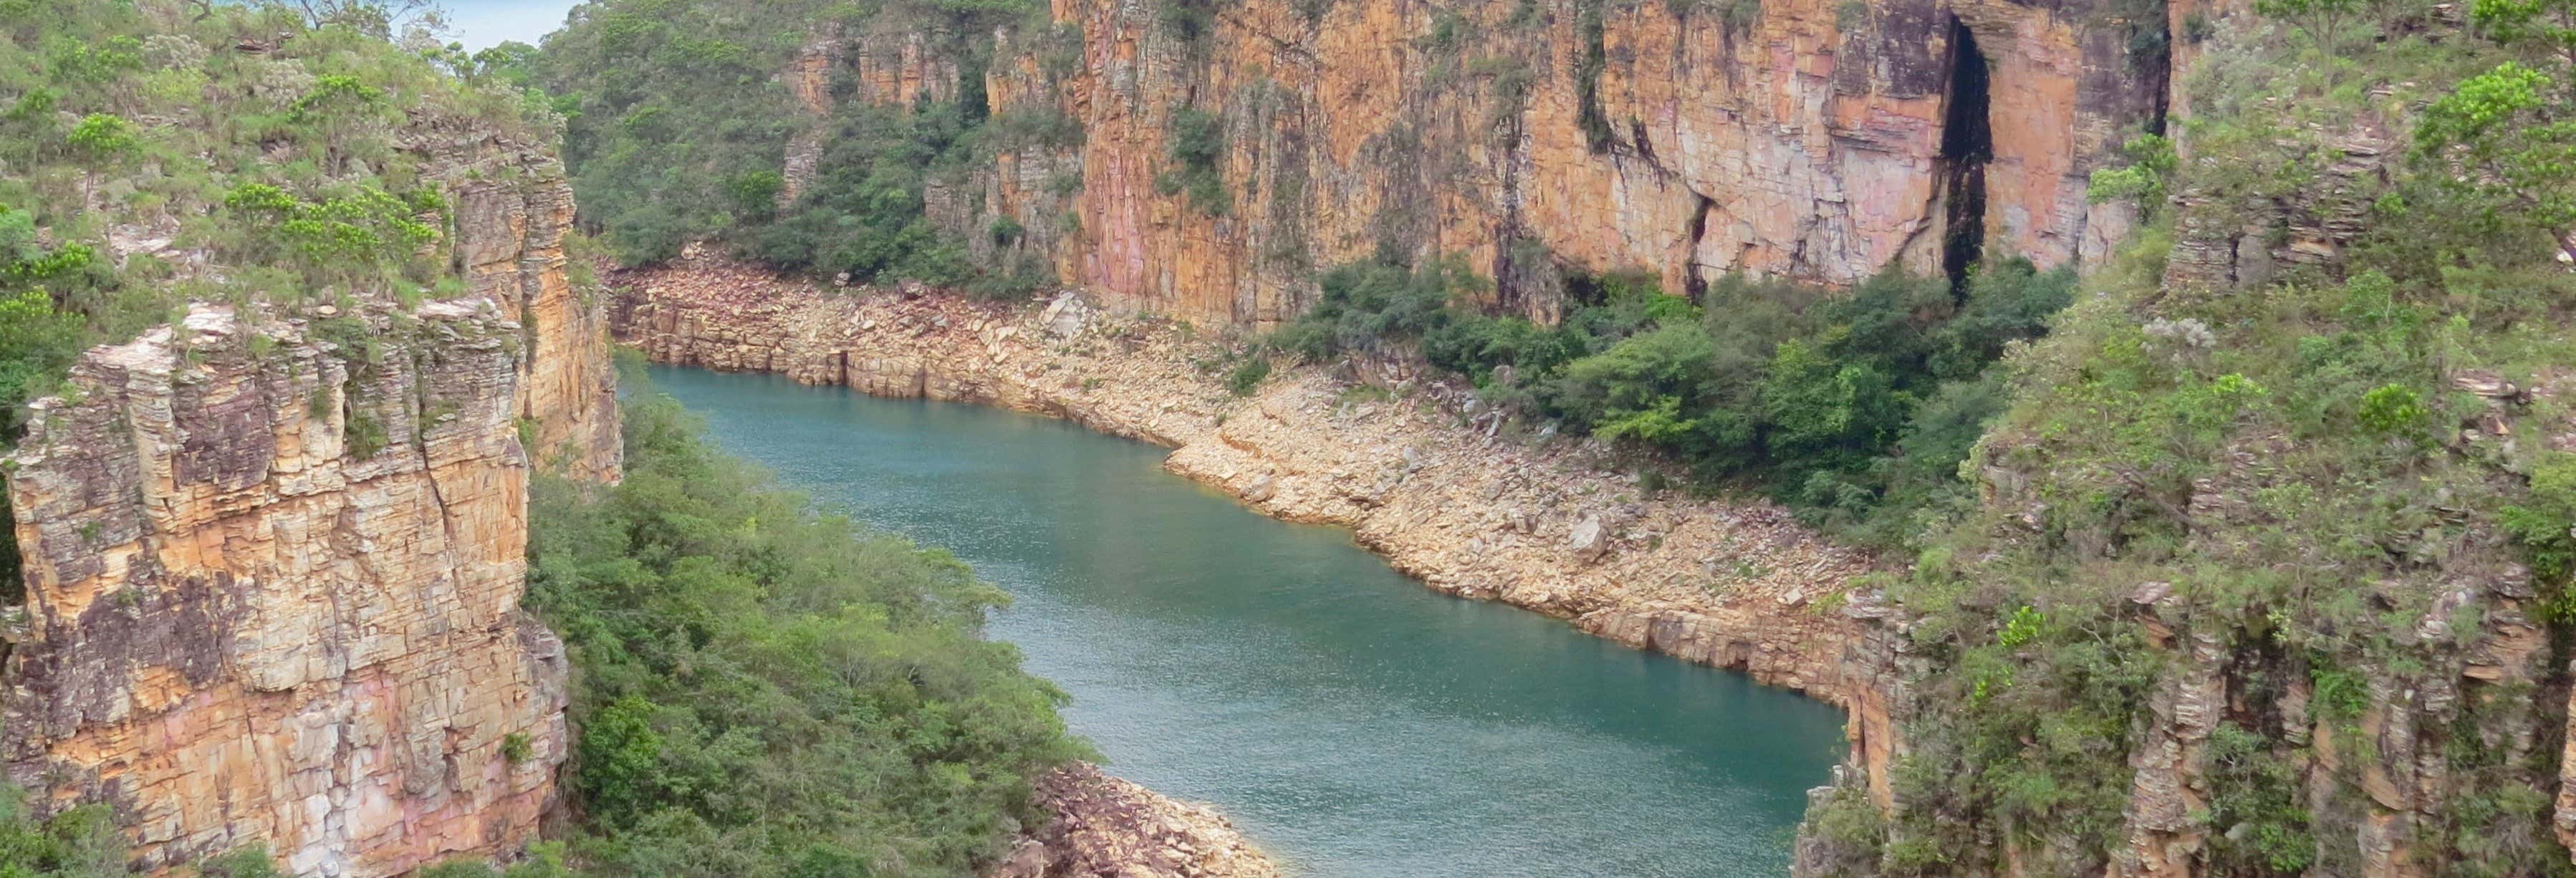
(1806, 138)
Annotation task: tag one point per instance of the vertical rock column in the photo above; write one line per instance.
(513, 210)
(273, 593)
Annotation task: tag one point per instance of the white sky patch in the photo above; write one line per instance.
(482, 24)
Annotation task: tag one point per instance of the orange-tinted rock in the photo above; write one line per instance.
(513, 209)
(273, 594)
(1804, 140)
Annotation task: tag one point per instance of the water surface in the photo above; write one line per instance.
(1351, 721)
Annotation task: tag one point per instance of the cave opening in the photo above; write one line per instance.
(1967, 144)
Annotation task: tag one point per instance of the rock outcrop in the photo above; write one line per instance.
(1817, 139)
(1105, 827)
(274, 569)
(1414, 467)
(513, 209)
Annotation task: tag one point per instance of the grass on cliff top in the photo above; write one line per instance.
(764, 689)
(262, 152)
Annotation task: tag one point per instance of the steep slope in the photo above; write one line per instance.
(2268, 570)
(273, 551)
(1201, 160)
(244, 627)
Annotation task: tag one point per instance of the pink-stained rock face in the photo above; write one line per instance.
(1804, 138)
(273, 574)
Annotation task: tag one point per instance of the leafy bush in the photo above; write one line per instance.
(1814, 395)
(1247, 377)
(1197, 145)
(81, 842)
(769, 690)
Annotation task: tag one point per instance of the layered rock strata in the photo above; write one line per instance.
(1412, 466)
(1105, 827)
(1817, 139)
(274, 570)
(512, 211)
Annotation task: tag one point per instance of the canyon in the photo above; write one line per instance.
(275, 553)
(1414, 468)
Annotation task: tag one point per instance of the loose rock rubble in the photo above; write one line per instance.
(1112, 828)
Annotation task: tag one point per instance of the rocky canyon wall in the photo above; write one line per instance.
(274, 569)
(274, 560)
(513, 211)
(1812, 139)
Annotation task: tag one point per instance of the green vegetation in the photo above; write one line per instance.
(1856, 408)
(1197, 145)
(2294, 474)
(81, 842)
(282, 167)
(767, 690)
(679, 124)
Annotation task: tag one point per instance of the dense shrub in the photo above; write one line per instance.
(1838, 403)
(1197, 146)
(768, 690)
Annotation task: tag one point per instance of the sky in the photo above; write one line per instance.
(482, 24)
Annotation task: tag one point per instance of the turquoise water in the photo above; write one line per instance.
(1351, 721)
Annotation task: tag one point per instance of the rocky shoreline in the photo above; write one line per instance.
(1112, 828)
(1417, 469)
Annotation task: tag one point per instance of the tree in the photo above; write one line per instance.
(102, 142)
(2547, 27)
(2322, 19)
(2515, 148)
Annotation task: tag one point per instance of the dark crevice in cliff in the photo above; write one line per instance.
(1967, 143)
(1597, 133)
(1694, 285)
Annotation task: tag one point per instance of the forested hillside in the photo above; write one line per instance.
(679, 118)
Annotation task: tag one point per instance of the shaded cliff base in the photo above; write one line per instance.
(1416, 468)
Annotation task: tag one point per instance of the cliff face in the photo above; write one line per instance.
(274, 565)
(1807, 138)
(513, 209)
(273, 588)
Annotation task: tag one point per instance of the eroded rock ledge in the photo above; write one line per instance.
(1420, 476)
(1112, 828)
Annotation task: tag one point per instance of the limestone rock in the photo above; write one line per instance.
(1586, 540)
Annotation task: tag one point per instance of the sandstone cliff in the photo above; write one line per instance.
(513, 210)
(273, 571)
(1420, 475)
(1807, 138)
